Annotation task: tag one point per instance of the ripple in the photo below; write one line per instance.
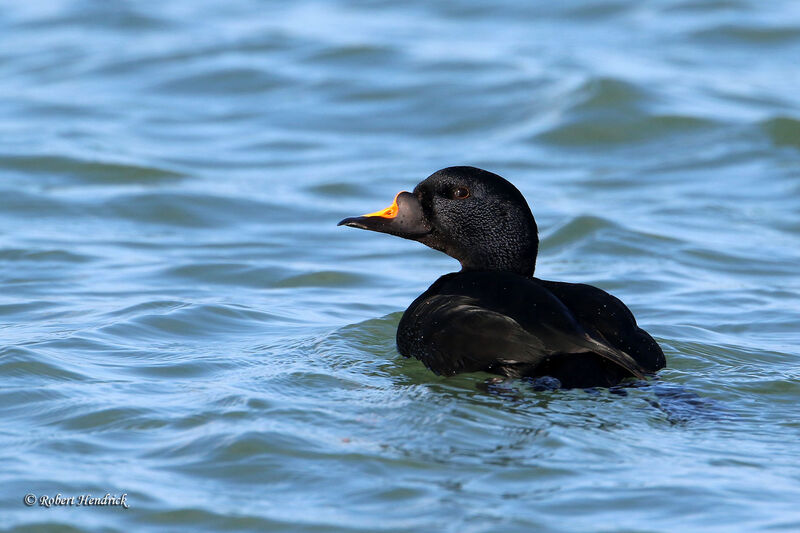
(22, 402)
(102, 17)
(614, 130)
(224, 81)
(22, 255)
(160, 63)
(605, 94)
(587, 235)
(115, 418)
(750, 35)
(603, 111)
(700, 6)
(24, 365)
(25, 309)
(336, 190)
(187, 321)
(51, 526)
(200, 518)
(190, 210)
(575, 230)
(599, 10)
(94, 172)
(783, 131)
(13, 202)
(355, 54)
(322, 279)
(239, 274)
(152, 305)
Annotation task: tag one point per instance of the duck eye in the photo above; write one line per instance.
(460, 193)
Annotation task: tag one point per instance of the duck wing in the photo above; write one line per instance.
(500, 323)
(606, 317)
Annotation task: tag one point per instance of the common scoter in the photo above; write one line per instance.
(493, 315)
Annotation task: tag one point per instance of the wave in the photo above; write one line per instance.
(84, 171)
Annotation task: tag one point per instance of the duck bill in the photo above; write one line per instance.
(403, 218)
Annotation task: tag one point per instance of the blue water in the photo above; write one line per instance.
(182, 322)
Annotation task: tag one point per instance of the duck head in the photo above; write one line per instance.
(470, 214)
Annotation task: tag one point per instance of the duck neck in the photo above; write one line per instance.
(519, 259)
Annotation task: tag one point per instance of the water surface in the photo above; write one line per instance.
(183, 322)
